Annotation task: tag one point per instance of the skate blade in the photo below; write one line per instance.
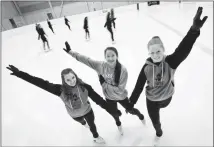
(99, 142)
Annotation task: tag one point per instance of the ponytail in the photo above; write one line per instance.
(117, 73)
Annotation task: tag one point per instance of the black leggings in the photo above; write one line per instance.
(154, 107)
(87, 32)
(51, 29)
(89, 118)
(112, 35)
(113, 22)
(68, 26)
(125, 103)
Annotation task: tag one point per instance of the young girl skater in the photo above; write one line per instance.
(50, 26)
(66, 23)
(42, 34)
(108, 23)
(159, 70)
(85, 27)
(113, 78)
(74, 93)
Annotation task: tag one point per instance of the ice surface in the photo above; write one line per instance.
(33, 117)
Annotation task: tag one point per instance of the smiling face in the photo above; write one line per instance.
(156, 52)
(111, 57)
(70, 79)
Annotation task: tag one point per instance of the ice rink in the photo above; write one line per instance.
(34, 117)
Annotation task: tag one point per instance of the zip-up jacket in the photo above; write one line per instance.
(41, 33)
(160, 76)
(66, 21)
(49, 24)
(109, 22)
(78, 105)
(85, 26)
(110, 90)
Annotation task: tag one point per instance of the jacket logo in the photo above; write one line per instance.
(109, 78)
(158, 80)
(75, 102)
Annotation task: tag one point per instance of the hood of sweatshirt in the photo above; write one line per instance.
(157, 70)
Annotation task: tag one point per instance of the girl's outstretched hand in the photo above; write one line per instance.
(13, 69)
(197, 22)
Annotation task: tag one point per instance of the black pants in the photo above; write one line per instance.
(125, 103)
(154, 110)
(89, 118)
(113, 22)
(51, 29)
(44, 39)
(111, 32)
(87, 33)
(68, 26)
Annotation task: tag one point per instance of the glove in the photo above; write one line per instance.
(101, 79)
(130, 108)
(197, 22)
(14, 70)
(68, 48)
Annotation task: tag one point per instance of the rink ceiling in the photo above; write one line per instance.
(31, 116)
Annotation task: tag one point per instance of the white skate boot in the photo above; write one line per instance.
(143, 121)
(120, 130)
(86, 125)
(99, 140)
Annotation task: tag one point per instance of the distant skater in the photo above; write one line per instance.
(108, 25)
(85, 27)
(42, 34)
(50, 26)
(67, 23)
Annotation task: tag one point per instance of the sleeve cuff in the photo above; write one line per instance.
(194, 31)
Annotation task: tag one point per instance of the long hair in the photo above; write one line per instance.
(117, 70)
(66, 89)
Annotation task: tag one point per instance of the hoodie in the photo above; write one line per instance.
(160, 76)
(85, 25)
(159, 80)
(110, 91)
(77, 104)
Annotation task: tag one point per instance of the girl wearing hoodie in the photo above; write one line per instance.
(85, 27)
(113, 78)
(159, 70)
(74, 93)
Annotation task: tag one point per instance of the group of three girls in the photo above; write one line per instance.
(158, 71)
